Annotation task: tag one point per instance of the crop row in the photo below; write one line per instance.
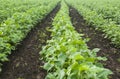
(108, 9)
(7, 10)
(67, 56)
(15, 28)
(92, 17)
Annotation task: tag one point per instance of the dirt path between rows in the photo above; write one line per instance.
(97, 40)
(24, 62)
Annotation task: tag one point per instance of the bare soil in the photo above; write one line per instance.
(24, 61)
(97, 40)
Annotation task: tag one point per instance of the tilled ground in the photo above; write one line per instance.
(24, 62)
(97, 40)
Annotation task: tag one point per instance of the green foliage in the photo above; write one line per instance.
(109, 9)
(16, 27)
(67, 55)
(101, 20)
(15, 6)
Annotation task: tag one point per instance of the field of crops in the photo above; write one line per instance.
(59, 39)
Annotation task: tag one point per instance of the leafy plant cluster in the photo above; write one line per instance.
(8, 8)
(67, 55)
(109, 27)
(108, 9)
(15, 28)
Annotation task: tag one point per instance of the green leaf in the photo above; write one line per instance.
(48, 66)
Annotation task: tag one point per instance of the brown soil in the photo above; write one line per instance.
(24, 62)
(97, 40)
